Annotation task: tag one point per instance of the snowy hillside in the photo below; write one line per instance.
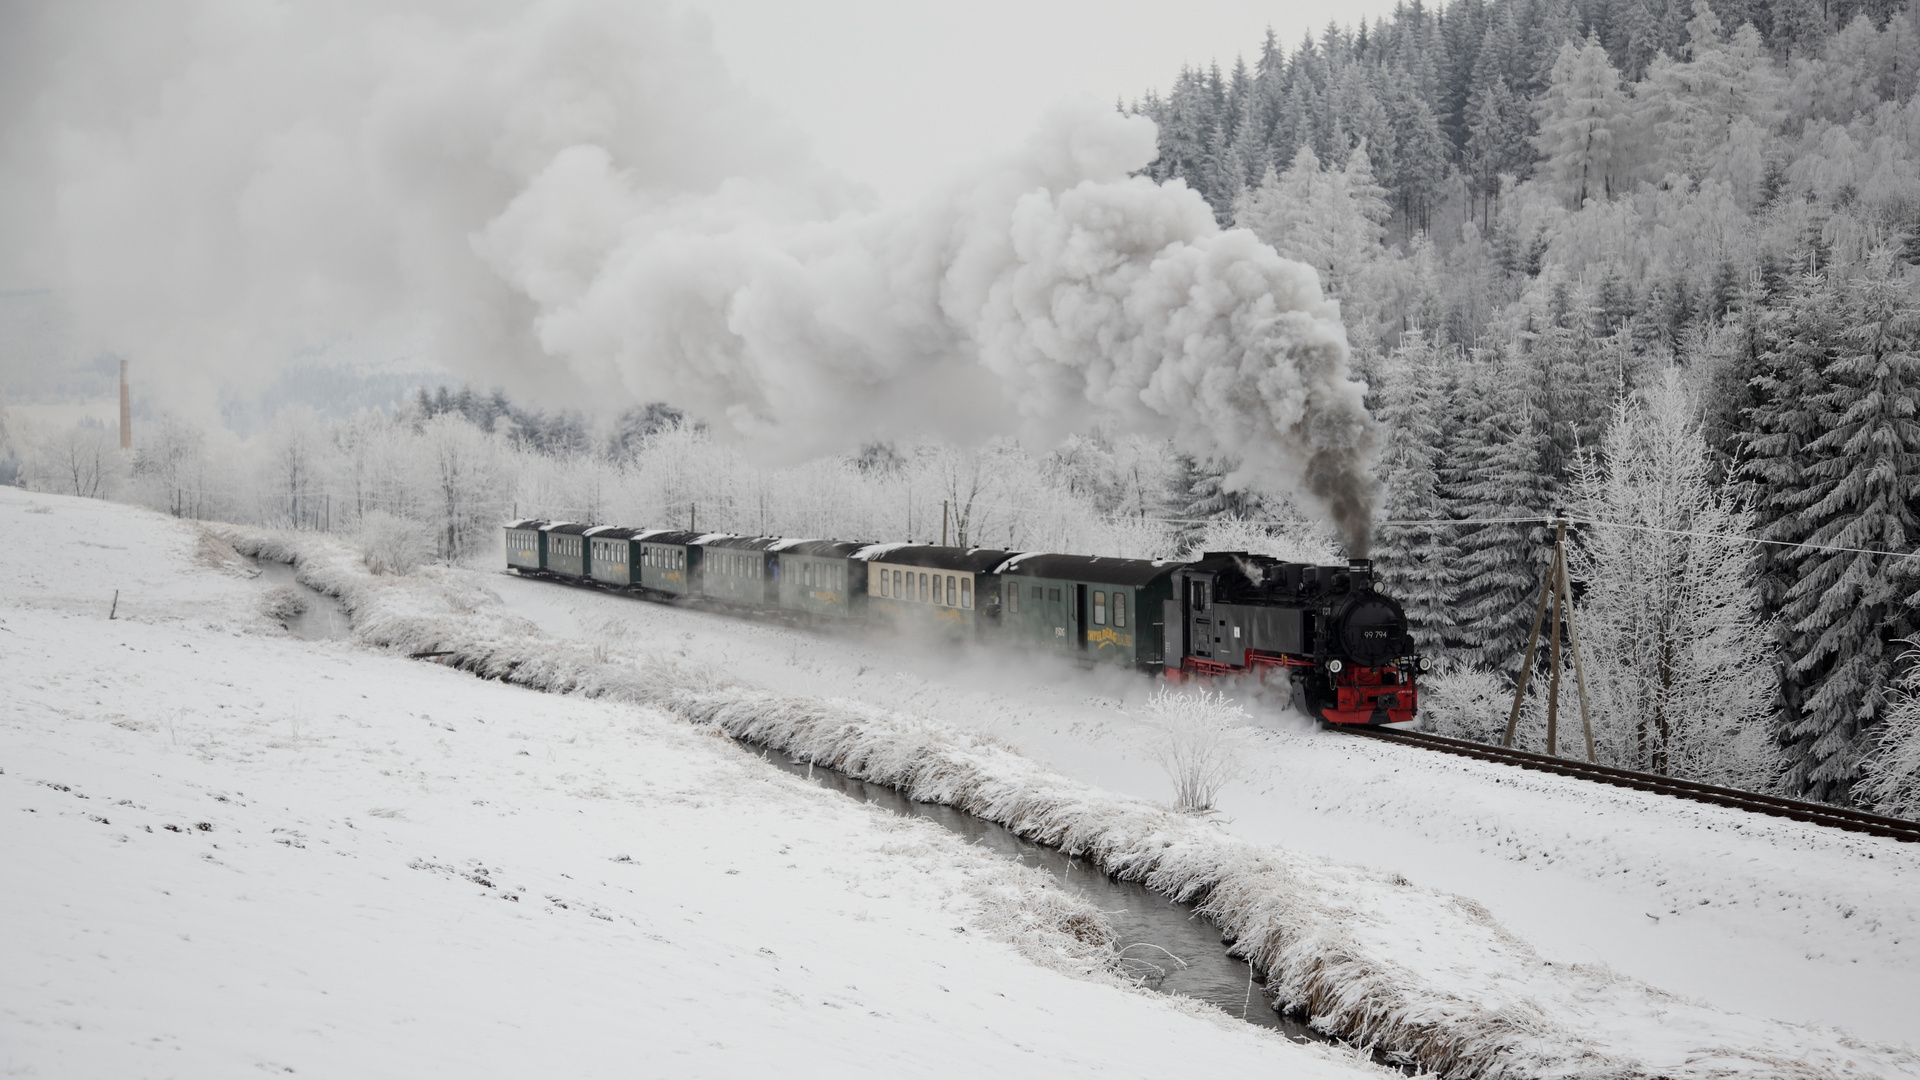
(229, 849)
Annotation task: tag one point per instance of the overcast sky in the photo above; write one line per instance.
(896, 93)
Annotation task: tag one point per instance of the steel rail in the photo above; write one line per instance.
(1837, 817)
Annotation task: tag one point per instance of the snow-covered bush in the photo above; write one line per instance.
(283, 602)
(1892, 772)
(1465, 702)
(1196, 738)
(391, 544)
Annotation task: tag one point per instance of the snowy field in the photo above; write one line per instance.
(1754, 915)
(231, 851)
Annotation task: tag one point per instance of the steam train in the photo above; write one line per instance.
(1341, 646)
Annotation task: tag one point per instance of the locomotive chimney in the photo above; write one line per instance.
(126, 410)
(1360, 572)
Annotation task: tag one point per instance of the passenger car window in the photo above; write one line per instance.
(1099, 609)
(1013, 598)
(1120, 609)
(953, 595)
(923, 588)
(966, 592)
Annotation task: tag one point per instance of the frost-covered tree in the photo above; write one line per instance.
(296, 460)
(1332, 219)
(1890, 780)
(462, 474)
(171, 465)
(1677, 649)
(1582, 119)
(78, 459)
(1709, 115)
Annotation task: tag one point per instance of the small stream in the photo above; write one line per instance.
(1168, 946)
(320, 617)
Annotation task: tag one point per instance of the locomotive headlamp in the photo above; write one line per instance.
(1426, 664)
(1335, 666)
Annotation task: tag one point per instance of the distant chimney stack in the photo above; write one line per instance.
(126, 410)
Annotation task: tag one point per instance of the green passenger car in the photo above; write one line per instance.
(526, 544)
(1107, 611)
(610, 555)
(821, 578)
(566, 552)
(739, 570)
(669, 561)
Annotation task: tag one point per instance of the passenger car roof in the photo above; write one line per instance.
(1089, 568)
(971, 560)
(833, 549)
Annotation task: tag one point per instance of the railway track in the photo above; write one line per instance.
(1774, 806)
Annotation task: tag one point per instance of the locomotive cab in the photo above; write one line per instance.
(1344, 648)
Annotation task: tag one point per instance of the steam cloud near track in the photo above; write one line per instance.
(576, 191)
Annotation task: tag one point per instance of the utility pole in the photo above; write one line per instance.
(1553, 591)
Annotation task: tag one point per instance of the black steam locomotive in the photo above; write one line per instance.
(1344, 647)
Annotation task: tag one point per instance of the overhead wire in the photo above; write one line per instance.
(1696, 534)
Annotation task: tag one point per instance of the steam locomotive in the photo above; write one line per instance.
(1339, 647)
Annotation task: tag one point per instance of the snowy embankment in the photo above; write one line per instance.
(1754, 915)
(1369, 955)
(228, 850)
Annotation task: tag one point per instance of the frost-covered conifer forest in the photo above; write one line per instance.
(1409, 288)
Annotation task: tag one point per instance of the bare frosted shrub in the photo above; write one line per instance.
(390, 544)
(1465, 703)
(1892, 783)
(283, 602)
(1196, 737)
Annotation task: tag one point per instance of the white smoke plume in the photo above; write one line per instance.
(573, 198)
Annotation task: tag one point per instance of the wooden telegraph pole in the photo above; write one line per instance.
(1554, 592)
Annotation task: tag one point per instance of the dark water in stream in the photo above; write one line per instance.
(1166, 945)
(321, 619)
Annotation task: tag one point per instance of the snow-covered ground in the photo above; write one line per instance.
(229, 850)
(1754, 915)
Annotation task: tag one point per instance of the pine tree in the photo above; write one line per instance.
(1794, 343)
(1421, 151)
(1416, 563)
(1850, 608)
(1498, 142)
(1495, 478)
